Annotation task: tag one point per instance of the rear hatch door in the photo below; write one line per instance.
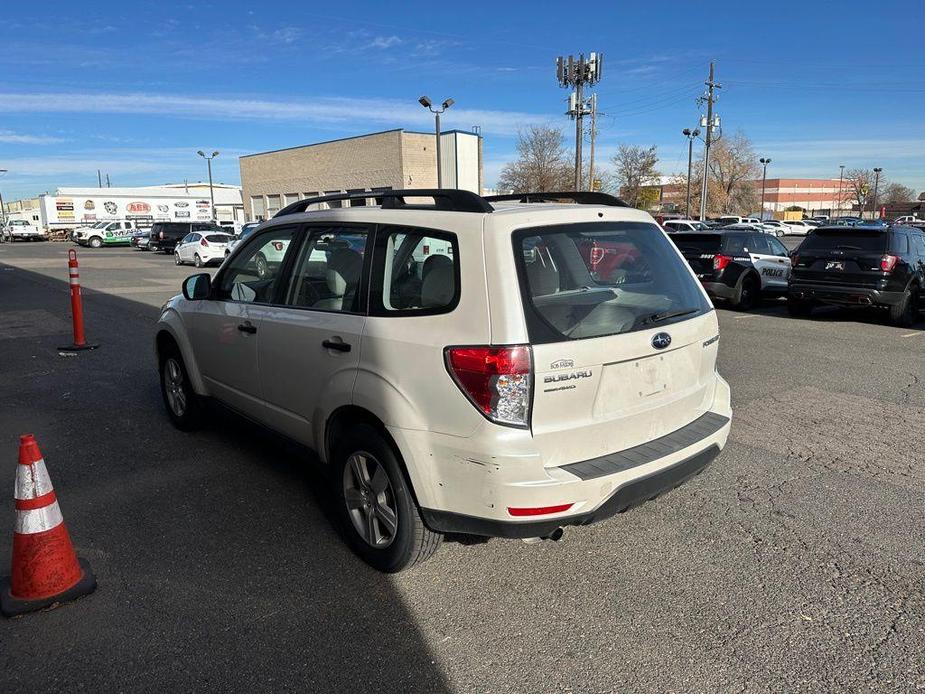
(621, 337)
(841, 256)
(699, 250)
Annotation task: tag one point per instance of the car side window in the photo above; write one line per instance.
(253, 275)
(328, 275)
(758, 243)
(919, 241)
(900, 243)
(416, 271)
(777, 248)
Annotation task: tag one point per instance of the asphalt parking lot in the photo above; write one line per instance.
(796, 562)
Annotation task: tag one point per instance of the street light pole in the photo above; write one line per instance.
(428, 104)
(211, 191)
(877, 171)
(764, 176)
(841, 178)
(2, 213)
(690, 135)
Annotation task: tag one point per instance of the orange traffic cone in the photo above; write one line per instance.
(45, 569)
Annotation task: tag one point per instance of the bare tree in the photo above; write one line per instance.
(734, 168)
(634, 168)
(542, 164)
(859, 185)
(895, 192)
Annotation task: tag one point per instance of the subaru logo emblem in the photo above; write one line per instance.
(661, 340)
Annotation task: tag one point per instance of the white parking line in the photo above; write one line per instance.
(913, 334)
(744, 317)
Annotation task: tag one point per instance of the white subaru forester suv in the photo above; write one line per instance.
(489, 366)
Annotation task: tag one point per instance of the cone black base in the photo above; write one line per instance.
(77, 348)
(13, 607)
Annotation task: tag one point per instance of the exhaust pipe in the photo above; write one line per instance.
(554, 536)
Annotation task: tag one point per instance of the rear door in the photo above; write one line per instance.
(699, 250)
(621, 347)
(311, 339)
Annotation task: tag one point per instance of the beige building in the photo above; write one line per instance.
(393, 159)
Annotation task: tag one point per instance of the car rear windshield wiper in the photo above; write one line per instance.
(665, 315)
(849, 248)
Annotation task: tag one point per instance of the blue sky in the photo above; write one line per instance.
(136, 88)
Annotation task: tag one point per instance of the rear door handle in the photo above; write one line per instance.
(246, 327)
(337, 346)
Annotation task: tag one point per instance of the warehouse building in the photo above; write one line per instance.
(392, 159)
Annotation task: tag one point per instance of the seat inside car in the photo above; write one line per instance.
(343, 277)
(439, 284)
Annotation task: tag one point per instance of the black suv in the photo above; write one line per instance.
(166, 235)
(860, 266)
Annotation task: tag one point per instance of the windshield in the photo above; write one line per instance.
(846, 240)
(218, 238)
(590, 280)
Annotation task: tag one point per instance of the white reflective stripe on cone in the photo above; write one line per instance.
(38, 520)
(32, 481)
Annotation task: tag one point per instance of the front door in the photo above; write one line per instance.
(310, 343)
(225, 329)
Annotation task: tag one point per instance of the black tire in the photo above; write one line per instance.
(96, 242)
(176, 259)
(905, 314)
(798, 308)
(748, 294)
(410, 542)
(263, 267)
(175, 384)
(197, 261)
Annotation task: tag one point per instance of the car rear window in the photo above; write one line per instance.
(589, 280)
(698, 243)
(218, 238)
(854, 239)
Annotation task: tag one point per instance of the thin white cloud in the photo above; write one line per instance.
(323, 110)
(13, 138)
(384, 42)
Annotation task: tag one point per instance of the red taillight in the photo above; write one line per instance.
(888, 262)
(160, 234)
(498, 380)
(203, 243)
(540, 510)
(721, 261)
(597, 255)
(794, 260)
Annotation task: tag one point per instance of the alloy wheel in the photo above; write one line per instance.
(370, 500)
(173, 386)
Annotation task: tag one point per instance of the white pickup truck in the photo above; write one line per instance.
(21, 230)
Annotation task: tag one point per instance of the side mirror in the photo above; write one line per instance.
(197, 287)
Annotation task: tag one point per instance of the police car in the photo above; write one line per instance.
(737, 265)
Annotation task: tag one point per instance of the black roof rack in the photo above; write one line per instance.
(449, 199)
(582, 197)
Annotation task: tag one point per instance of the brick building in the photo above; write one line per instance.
(379, 161)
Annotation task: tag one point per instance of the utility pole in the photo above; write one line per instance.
(709, 97)
(593, 135)
(578, 73)
(108, 184)
(99, 178)
(690, 135)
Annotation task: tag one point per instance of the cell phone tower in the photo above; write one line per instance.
(575, 74)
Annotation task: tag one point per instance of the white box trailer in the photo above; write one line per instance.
(70, 208)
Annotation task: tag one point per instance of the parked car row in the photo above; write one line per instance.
(876, 266)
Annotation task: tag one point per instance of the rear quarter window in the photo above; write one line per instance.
(590, 280)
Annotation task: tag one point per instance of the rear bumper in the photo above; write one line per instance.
(842, 295)
(629, 495)
(719, 290)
